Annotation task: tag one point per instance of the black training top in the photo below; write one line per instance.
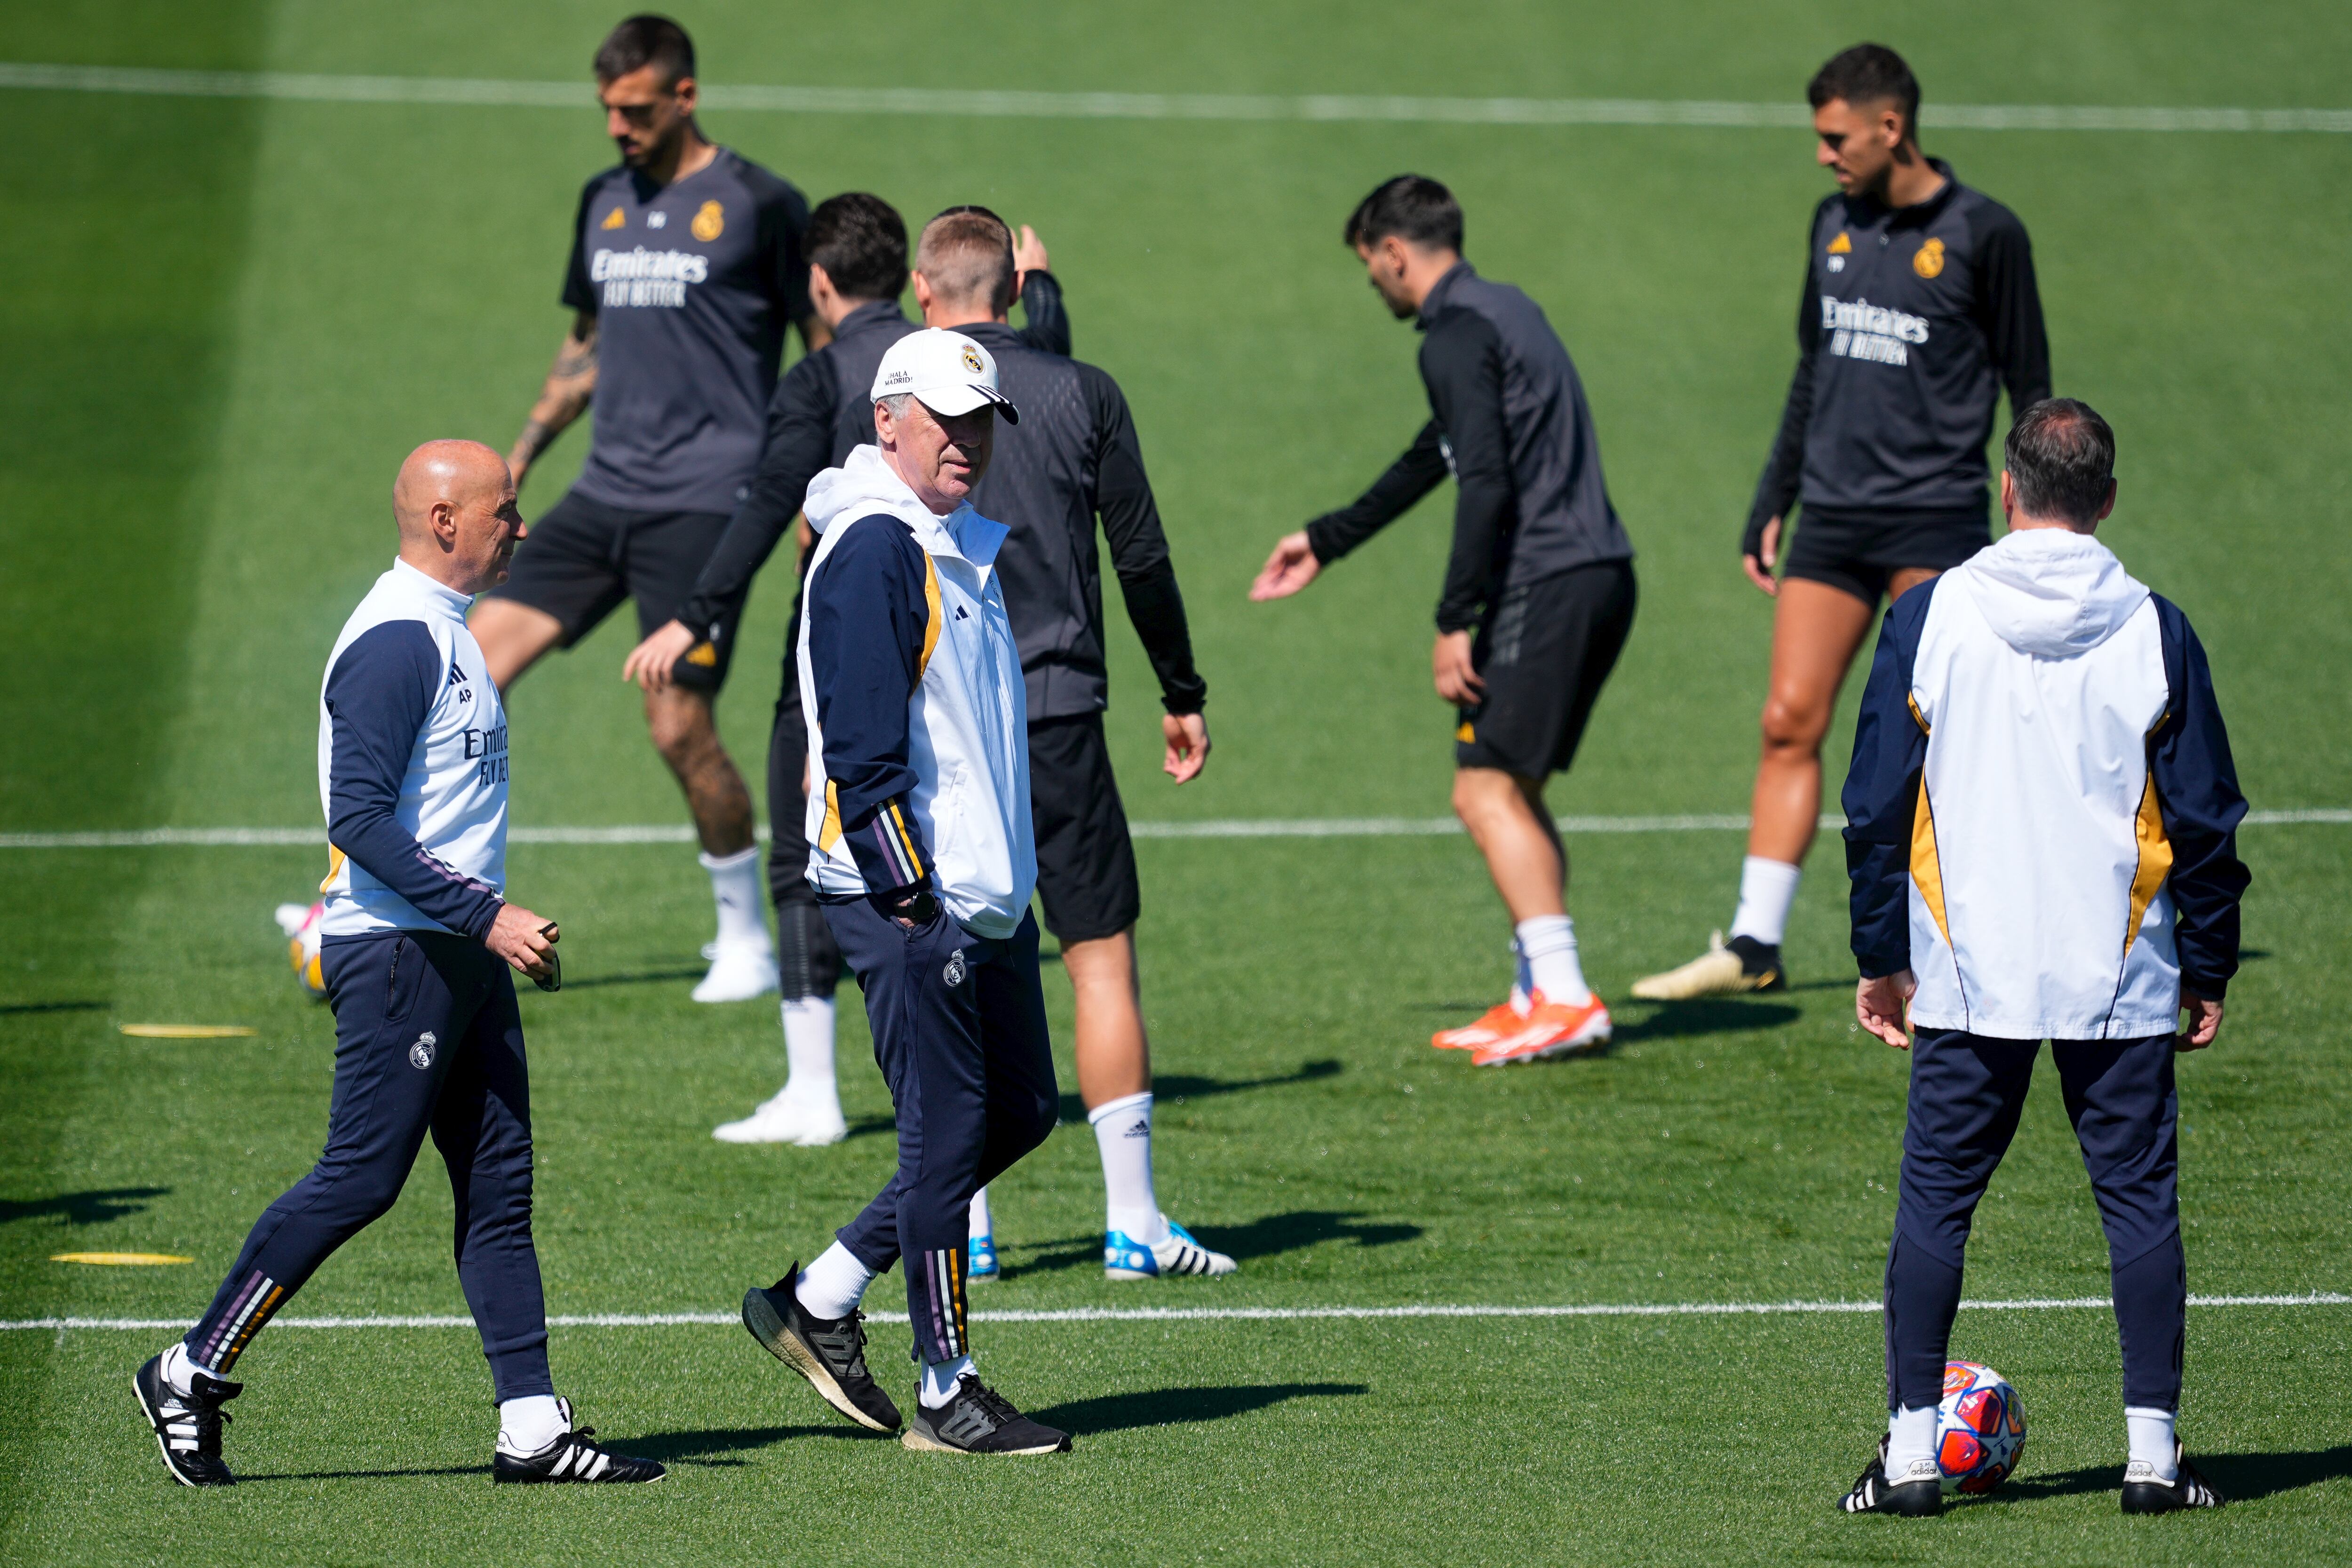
(821, 410)
(1073, 457)
(1509, 421)
(692, 285)
(1913, 319)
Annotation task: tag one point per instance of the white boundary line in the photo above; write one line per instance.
(1228, 1314)
(1312, 108)
(1238, 827)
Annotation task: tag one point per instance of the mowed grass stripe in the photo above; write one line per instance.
(1221, 1314)
(1240, 828)
(1397, 109)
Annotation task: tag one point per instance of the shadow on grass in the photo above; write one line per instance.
(244, 1480)
(636, 977)
(24, 1009)
(95, 1206)
(1707, 1015)
(2243, 1478)
(706, 1447)
(1170, 1407)
(1264, 1237)
(1171, 1089)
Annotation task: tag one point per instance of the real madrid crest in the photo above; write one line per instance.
(954, 973)
(710, 223)
(1929, 262)
(420, 1054)
(971, 359)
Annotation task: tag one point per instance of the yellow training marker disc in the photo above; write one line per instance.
(121, 1259)
(187, 1031)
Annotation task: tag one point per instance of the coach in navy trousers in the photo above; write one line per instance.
(2042, 825)
(417, 943)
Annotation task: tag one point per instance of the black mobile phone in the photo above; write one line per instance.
(553, 979)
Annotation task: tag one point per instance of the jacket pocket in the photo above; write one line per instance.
(404, 975)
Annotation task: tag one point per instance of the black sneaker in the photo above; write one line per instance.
(2143, 1493)
(574, 1457)
(978, 1420)
(829, 1352)
(188, 1428)
(1759, 964)
(1874, 1493)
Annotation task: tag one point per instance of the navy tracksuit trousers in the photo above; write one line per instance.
(959, 1025)
(426, 1036)
(1966, 1092)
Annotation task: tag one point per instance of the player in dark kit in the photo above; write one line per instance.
(687, 267)
(1919, 307)
(821, 411)
(1538, 595)
(1074, 459)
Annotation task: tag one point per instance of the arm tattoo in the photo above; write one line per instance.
(536, 436)
(575, 360)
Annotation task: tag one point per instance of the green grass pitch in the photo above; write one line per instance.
(225, 319)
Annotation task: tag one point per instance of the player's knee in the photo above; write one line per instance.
(1793, 725)
(1479, 793)
(681, 732)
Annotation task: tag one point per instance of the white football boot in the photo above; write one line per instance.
(738, 972)
(781, 1118)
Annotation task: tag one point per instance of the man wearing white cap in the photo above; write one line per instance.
(923, 858)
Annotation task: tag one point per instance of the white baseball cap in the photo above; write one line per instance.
(947, 372)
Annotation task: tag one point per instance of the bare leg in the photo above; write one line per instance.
(1512, 827)
(513, 637)
(1114, 1055)
(686, 733)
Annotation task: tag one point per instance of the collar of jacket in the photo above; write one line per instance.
(1435, 300)
(874, 486)
(1919, 214)
(991, 335)
(867, 316)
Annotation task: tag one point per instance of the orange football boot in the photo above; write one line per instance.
(1501, 1023)
(1550, 1029)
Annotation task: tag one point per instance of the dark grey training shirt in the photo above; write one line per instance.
(1509, 420)
(693, 285)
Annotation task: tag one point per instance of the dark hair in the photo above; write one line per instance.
(1868, 73)
(966, 252)
(1413, 207)
(861, 242)
(2061, 456)
(645, 40)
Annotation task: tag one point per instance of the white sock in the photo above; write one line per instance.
(833, 1285)
(530, 1424)
(2150, 1435)
(1522, 982)
(1547, 943)
(1767, 889)
(735, 887)
(980, 1223)
(808, 1047)
(940, 1379)
(1123, 1134)
(1911, 1443)
(180, 1368)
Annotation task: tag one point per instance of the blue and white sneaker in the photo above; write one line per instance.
(980, 1259)
(1124, 1258)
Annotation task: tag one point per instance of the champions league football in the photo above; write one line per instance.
(1979, 1429)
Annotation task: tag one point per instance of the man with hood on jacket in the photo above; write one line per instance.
(2042, 835)
(923, 858)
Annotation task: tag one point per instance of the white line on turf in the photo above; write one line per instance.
(1231, 1314)
(1322, 107)
(1235, 827)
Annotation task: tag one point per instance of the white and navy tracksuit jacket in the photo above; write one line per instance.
(412, 767)
(2042, 811)
(921, 736)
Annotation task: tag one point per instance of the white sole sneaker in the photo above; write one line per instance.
(737, 974)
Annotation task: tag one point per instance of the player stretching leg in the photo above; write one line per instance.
(1074, 460)
(1541, 572)
(2042, 832)
(1919, 305)
(418, 940)
(686, 270)
(819, 415)
(921, 854)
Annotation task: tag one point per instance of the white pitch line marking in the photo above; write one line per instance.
(1226, 1314)
(1312, 108)
(1232, 827)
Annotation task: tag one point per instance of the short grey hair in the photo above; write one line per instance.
(897, 404)
(2061, 457)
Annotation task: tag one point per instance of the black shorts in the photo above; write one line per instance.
(1086, 864)
(582, 559)
(1544, 651)
(1858, 555)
